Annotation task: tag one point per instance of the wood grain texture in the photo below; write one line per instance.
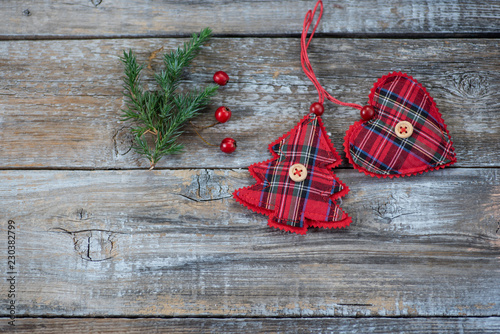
(47, 19)
(490, 325)
(172, 243)
(60, 100)
(103, 245)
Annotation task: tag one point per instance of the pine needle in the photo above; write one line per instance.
(162, 113)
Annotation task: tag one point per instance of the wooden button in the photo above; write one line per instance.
(297, 172)
(403, 129)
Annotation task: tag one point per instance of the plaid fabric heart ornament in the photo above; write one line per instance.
(405, 136)
(297, 188)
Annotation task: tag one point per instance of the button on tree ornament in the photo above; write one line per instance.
(297, 188)
(297, 172)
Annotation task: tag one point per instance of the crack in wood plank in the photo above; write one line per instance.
(93, 245)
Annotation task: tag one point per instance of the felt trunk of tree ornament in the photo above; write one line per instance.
(297, 187)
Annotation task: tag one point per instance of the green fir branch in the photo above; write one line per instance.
(176, 61)
(158, 116)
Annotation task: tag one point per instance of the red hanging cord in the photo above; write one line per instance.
(304, 58)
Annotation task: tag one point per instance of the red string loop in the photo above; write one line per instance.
(304, 58)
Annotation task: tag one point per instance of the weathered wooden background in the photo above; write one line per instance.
(104, 245)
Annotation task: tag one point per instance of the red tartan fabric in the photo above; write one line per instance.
(373, 146)
(294, 206)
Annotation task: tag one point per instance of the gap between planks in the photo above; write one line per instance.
(396, 36)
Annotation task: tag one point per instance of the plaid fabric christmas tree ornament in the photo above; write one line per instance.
(297, 187)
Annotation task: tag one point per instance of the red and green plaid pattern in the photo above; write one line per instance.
(374, 146)
(298, 205)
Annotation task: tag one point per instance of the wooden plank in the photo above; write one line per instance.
(45, 19)
(228, 326)
(61, 100)
(172, 243)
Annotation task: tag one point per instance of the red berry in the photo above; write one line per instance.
(317, 108)
(228, 145)
(367, 113)
(222, 114)
(221, 78)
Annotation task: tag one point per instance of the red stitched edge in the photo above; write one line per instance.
(307, 222)
(299, 230)
(357, 125)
